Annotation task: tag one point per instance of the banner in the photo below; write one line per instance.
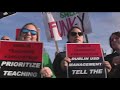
(86, 61)
(51, 29)
(20, 59)
(57, 24)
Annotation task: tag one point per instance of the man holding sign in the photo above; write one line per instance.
(60, 64)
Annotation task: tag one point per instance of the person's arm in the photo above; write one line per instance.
(107, 66)
(114, 72)
(47, 63)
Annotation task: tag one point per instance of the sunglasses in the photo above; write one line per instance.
(75, 33)
(33, 32)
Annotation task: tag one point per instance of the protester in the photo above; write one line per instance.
(30, 32)
(114, 57)
(5, 38)
(60, 63)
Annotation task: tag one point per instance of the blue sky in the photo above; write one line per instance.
(102, 23)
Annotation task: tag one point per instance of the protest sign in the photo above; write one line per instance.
(57, 24)
(86, 61)
(20, 59)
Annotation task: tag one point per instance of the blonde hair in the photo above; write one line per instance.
(38, 38)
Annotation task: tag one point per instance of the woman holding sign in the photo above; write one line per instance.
(30, 32)
(114, 57)
(60, 64)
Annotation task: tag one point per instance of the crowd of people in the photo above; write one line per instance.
(58, 69)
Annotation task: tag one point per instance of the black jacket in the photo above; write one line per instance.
(115, 72)
(56, 65)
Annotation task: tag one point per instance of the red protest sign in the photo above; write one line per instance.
(21, 51)
(20, 59)
(86, 61)
(84, 50)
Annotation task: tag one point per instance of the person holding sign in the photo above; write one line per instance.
(30, 32)
(60, 63)
(114, 57)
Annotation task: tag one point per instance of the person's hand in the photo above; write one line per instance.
(107, 65)
(116, 60)
(64, 63)
(46, 72)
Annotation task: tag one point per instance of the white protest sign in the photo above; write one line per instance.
(57, 24)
